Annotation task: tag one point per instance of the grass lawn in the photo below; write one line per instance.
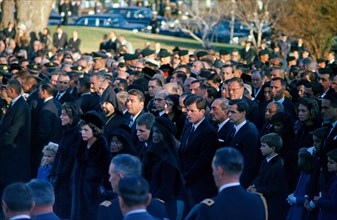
(92, 36)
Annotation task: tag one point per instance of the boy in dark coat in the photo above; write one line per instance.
(270, 180)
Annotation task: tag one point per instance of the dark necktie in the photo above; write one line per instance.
(190, 135)
(233, 131)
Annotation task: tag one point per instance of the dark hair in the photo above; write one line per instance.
(230, 160)
(332, 155)
(198, 100)
(49, 88)
(15, 85)
(95, 130)
(73, 112)
(332, 97)
(139, 94)
(18, 197)
(215, 78)
(241, 104)
(146, 119)
(158, 81)
(272, 140)
(305, 160)
(133, 190)
(312, 106)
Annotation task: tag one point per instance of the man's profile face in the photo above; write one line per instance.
(114, 177)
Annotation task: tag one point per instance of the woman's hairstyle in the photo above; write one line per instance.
(73, 112)
(305, 160)
(95, 130)
(312, 106)
(51, 147)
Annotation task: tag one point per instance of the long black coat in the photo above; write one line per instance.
(90, 172)
(49, 128)
(196, 156)
(15, 144)
(62, 170)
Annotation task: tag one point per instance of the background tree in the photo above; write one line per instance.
(33, 14)
(258, 15)
(200, 20)
(313, 20)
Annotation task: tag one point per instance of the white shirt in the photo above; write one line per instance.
(228, 185)
(280, 100)
(269, 159)
(222, 124)
(19, 217)
(136, 211)
(14, 100)
(47, 99)
(197, 124)
(237, 127)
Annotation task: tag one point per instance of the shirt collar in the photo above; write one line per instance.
(47, 99)
(228, 185)
(280, 100)
(197, 124)
(16, 99)
(20, 217)
(237, 127)
(222, 124)
(269, 159)
(136, 211)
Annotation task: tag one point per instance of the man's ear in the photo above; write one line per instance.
(149, 199)
(33, 206)
(4, 207)
(121, 202)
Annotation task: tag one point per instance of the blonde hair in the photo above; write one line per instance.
(50, 147)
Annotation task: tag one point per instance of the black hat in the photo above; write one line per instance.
(99, 55)
(176, 49)
(147, 52)
(201, 53)
(183, 53)
(290, 58)
(33, 68)
(4, 71)
(218, 64)
(15, 66)
(77, 68)
(51, 65)
(94, 118)
(320, 60)
(273, 56)
(224, 52)
(167, 123)
(263, 52)
(163, 53)
(149, 71)
(306, 50)
(129, 56)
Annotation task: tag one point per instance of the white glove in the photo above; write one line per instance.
(312, 204)
(291, 199)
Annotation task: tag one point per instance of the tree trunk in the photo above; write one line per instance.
(34, 14)
(7, 8)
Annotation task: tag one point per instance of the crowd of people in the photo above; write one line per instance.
(246, 134)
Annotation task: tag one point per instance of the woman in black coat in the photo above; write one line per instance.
(64, 160)
(161, 166)
(91, 168)
(120, 142)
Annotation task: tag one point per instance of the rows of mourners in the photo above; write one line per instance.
(66, 115)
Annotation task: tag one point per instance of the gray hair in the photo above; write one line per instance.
(127, 164)
(42, 191)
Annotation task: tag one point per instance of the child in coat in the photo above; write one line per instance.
(49, 153)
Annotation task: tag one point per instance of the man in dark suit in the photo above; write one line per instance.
(329, 114)
(17, 201)
(59, 38)
(278, 87)
(245, 138)
(87, 100)
(63, 95)
(135, 105)
(257, 83)
(248, 54)
(134, 196)
(74, 42)
(199, 142)
(121, 166)
(233, 201)
(44, 198)
(236, 91)
(15, 139)
(49, 125)
(219, 114)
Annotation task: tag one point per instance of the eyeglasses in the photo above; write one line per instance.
(63, 82)
(158, 99)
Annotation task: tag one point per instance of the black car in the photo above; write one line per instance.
(133, 14)
(54, 18)
(108, 21)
